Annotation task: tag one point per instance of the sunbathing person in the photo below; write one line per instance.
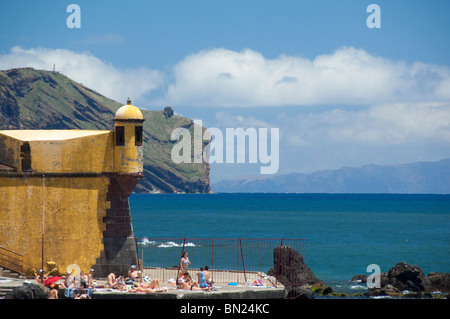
(148, 290)
(154, 284)
(148, 287)
(186, 283)
(92, 283)
(134, 275)
(111, 281)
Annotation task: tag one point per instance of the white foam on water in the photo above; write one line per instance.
(174, 244)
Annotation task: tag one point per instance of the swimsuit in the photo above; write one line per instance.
(185, 267)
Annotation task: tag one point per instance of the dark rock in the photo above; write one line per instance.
(439, 281)
(406, 277)
(327, 291)
(168, 112)
(300, 292)
(291, 270)
(408, 280)
(28, 291)
(321, 289)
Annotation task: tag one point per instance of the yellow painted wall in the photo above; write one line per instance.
(84, 154)
(69, 151)
(73, 228)
(129, 158)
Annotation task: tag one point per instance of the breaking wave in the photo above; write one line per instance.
(168, 244)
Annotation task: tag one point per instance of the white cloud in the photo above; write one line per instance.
(221, 77)
(117, 84)
(225, 78)
(383, 124)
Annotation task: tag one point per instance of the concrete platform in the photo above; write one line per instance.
(221, 291)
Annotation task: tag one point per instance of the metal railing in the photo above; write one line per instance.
(11, 260)
(229, 260)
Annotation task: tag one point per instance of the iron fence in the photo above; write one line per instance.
(229, 260)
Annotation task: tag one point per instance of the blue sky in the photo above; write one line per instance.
(340, 93)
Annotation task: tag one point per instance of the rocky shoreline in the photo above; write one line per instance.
(401, 281)
(404, 280)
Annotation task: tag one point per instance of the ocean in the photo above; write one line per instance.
(344, 233)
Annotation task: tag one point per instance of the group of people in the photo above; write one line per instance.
(69, 283)
(185, 281)
(133, 281)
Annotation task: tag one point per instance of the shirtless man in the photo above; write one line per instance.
(134, 274)
(111, 281)
(91, 281)
(207, 274)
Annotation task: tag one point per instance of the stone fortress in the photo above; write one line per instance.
(64, 195)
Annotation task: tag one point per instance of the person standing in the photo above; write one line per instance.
(184, 262)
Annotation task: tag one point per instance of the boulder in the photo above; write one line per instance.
(439, 281)
(168, 112)
(409, 281)
(321, 289)
(359, 278)
(300, 292)
(28, 291)
(407, 277)
(291, 270)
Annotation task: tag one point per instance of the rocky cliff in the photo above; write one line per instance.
(35, 99)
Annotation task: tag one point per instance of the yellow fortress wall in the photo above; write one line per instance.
(64, 194)
(56, 151)
(70, 222)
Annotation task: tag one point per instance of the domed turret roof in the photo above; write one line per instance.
(129, 112)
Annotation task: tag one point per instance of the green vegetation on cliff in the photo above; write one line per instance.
(35, 99)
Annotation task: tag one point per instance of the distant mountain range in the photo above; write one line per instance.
(420, 178)
(37, 99)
